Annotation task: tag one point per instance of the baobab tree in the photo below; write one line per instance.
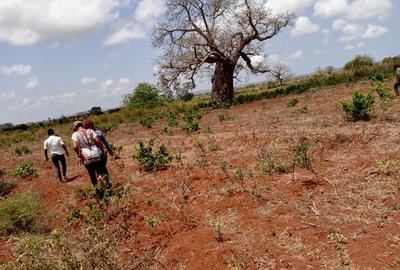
(221, 37)
(280, 72)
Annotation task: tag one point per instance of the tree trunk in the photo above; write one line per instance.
(222, 83)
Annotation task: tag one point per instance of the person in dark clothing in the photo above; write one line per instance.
(56, 147)
(89, 124)
(89, 149)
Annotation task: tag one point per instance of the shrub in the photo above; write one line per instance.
(147, 121)
(292, 102)
(359, 108)
(21, 150)
(383, 92)
(150, 159)
(304, 110)
(269, 162)
(358, 62)
(144, 96)
(20, 213)
(192, 119)
(117, 149)
(172, 120)
(302, 156)
(24, 170)
(379, 77)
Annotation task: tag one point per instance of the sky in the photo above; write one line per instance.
(60, 57)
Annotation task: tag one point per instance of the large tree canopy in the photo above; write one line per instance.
(214, 36)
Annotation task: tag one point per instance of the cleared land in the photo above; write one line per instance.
(215, 208)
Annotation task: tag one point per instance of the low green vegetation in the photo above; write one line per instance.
(147, 121)
(22, 150)
(24, 169)
(20, 213)
(269, 162)
(6, 187)
(192, 120)
(151, 159)
(359, 108)
(292, 102)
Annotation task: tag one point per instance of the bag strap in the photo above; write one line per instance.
(84, 136)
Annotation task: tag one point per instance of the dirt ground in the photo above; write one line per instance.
(214, 208)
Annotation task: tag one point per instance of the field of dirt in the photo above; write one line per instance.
(214, 208)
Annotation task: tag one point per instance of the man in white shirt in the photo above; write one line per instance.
(55, 146)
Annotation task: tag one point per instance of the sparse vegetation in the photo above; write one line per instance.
(20, 213)
(269, 162)
(24, 170)
(22, 150)
(147, 121)
(292, 102)
(302, 156)
(151, 160)
(6, 187)
(192, 120)
(359, 108)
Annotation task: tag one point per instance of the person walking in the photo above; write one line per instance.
(397, 83)
(89, 150)
(55, 145)
(89, 124)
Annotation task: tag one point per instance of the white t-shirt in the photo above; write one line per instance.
(54, 145)
(79, 136)
(398, 71)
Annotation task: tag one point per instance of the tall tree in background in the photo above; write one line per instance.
(280, 72)
(221, 37)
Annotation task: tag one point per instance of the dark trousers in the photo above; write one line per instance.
(57, 159)
(96, 168)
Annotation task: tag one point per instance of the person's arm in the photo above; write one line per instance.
(76, 147)
(65, 150)
(105, 142)
(46, 156)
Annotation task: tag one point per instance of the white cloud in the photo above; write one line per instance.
(15, 70)
(32, 82)
(303, 26)
(147, 10)
(87, 80)
(7, 96)
(330, 8)
(374, 31)
(350, 31)
(363, 9)
(30, 22)
(354, 10)
(297, 6)
(297, 54)
(126, 33)
(107, 83)
(125, 81)
(353, 47)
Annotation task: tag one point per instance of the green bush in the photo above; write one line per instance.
(269, 162)
(302, 156)
(22, 150)
(24, 170)
(150, 159)
(144, 96)
(382, 91)
(172, 119)
(192, 119)
(292, 102)
(147, 121)
(20, 213)
(360, 107)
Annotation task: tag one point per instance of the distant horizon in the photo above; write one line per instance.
(61, 59)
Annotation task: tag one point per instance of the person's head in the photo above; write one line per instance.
(88, 124)
(77, 125)
(50, 132)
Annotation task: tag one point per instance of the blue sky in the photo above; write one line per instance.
(59, 57)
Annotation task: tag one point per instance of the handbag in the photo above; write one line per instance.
(91, 153)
